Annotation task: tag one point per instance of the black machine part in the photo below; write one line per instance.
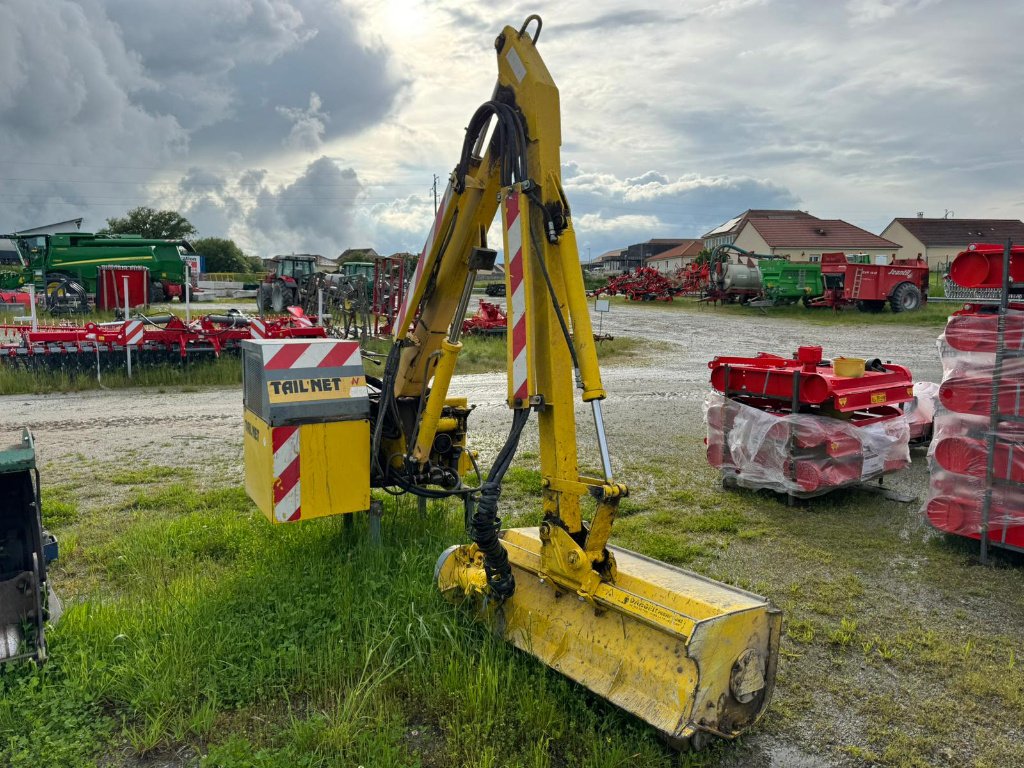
(25, 551)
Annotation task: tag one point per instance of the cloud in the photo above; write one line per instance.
(312, 214)
(308, 125)
(66, 99)
(870, 11)
(672, 119)
(610, 212)
(257, 65)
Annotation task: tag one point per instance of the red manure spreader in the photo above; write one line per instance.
(903, 285)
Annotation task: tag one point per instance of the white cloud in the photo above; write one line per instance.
(308, 125)
(673, 117)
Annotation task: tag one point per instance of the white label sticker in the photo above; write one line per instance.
(517, 64)
(873, 465)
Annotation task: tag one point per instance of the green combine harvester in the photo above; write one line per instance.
(69, 261)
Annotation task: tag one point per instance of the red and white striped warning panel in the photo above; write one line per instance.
(287, 488)
(131, 333)
(258, 328)
(519, 374)
(311, 353)
(302, 381)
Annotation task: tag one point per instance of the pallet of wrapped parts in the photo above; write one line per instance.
(976, 458)
(806, 426)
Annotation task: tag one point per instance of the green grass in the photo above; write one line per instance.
(212, 632)
(197, 630)
(197, 373)
(933, 315)
(480, 354)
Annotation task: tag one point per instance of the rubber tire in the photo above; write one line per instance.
(263, 297)
(873, 306)
(156, 292)
(905, 297)
(278, 299)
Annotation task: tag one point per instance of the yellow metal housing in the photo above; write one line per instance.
(333, 469)
(692, 657)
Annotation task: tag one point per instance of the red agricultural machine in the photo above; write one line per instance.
(643, 284)
(489, 320)
(284, 286)
(691, 279)
(977, 453)
(903, 285)
(388, 293)
(163, 338)
(805, 426)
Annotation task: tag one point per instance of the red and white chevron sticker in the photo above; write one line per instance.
(257, 328)
(311, 354)
(132, 333)
(287, 489)
(517, 303)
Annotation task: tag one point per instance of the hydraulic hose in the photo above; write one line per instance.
(485, 524)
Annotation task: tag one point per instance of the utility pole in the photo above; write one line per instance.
(435, 195)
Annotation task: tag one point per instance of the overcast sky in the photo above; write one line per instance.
(309, 125)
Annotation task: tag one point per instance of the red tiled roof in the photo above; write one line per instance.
(735, 224)
(686, 249)
(964, 231)
(817, 233)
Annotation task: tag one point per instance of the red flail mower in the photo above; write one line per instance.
(806, 426)
(977, 453)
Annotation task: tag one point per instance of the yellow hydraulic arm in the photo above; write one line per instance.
(690, 656)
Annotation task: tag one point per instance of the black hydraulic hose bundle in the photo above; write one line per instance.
(509, 140)
(485, 524)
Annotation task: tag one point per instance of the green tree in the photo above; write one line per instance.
(255, 264)
(166, 225)
(222, 254)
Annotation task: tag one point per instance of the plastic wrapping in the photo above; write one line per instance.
(967, 438)
(803, 455)
(921, 411)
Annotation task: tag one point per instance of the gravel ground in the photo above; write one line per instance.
(662, 398)
(648, 409)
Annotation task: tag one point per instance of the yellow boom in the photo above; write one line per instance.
(690, 656)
